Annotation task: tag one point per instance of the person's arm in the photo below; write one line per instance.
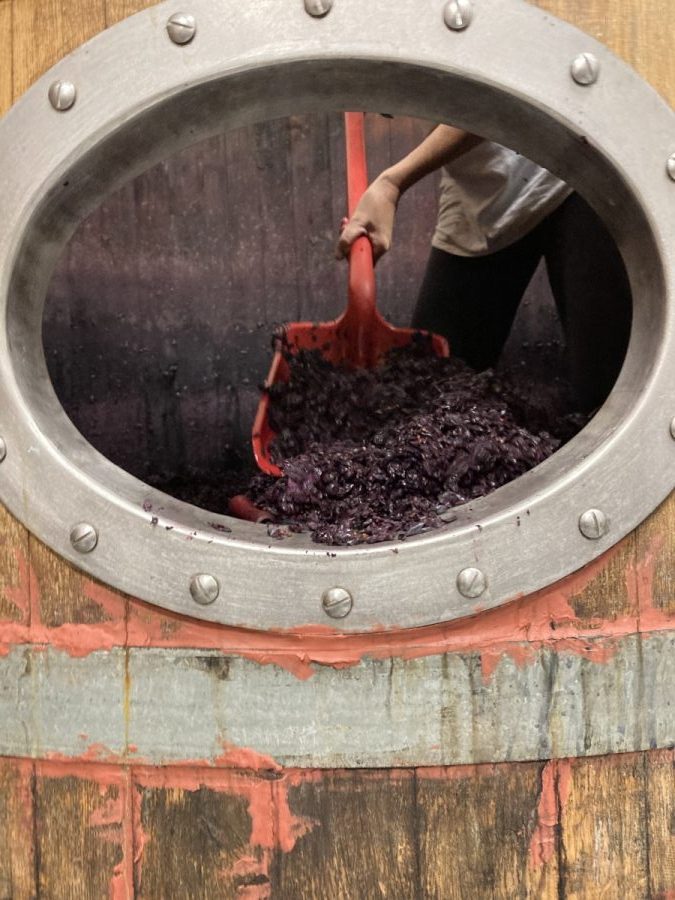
(374, 215)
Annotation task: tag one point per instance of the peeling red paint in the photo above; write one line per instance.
(244, 758)
(556, 779)
(19, 594)
(517, 630)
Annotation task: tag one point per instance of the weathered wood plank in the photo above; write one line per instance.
(193, 840)
(14, 577)
(116, 10)
(476, 827)
(656, 570)
(46, 31)
(363, 844)
(604, 830)
(17, 859)
(660, 815)
(83, 834)
(611, 594)
(6, 56)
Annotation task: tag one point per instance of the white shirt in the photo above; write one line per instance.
(491, 197)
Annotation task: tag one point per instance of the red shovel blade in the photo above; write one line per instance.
(360, 337)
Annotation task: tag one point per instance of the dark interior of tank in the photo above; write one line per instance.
(158, 323)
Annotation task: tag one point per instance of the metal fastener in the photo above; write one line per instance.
(83, 537)
(181, 28)
(670, 166)
(318, 8)
(204, 589)
(585, 69)
(3, 449)
(471, 582)
(337, 602)
(62, 95)
(457, 14)
(593, 524)
(672, 432)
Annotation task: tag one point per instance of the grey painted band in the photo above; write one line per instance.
(141, 97)
(186, 705)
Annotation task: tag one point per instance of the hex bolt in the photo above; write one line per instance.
(670, 166)
(593, 524)
(62, 95)
(204, 589)
(3, 449)
(585, 69)
(181, 28)
(337, 602)
(83, 537)
(471, 582)
(457, 14)
(318, 8)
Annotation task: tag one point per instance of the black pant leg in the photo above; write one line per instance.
(593, 295)
(472, 301)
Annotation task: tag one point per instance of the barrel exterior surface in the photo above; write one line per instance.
(129, 775)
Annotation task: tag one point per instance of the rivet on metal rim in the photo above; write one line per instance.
(471, 582)
(204, 589)
(318, 8)
(62, 95)
(83, 537)
(585, 69)
(181, 28)
(670, 166)
(457, 14)
(593, 524)
(3, 449)
(337, 602)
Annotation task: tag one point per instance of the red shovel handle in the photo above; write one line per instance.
(361, 307)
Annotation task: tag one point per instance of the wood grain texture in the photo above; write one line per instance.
(47, 30)
(207, 831)
(14, 589)
(116, 10)
(79, 834)
(475, 831)
(6, 56)
(605, 830)
(656, 544)
(17, 862)
(660, 813)
(364, 844)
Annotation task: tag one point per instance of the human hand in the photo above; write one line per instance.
(373, 217)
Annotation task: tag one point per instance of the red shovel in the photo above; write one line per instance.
(360, 337)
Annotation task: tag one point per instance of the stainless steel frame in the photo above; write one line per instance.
(141, 97)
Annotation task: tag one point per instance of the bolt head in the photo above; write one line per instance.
(593, 524)
(318, 8)
(3, 450)
(204, 589)
(672, 432)
(585, 69)
(337, 602)
(471, 582)
(62, 95)
(457, 14)
(83, 537)
(181, 28)
(670, 166)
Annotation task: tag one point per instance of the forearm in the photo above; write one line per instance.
(440, 147)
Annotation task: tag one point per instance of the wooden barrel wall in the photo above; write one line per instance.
(108, 821)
